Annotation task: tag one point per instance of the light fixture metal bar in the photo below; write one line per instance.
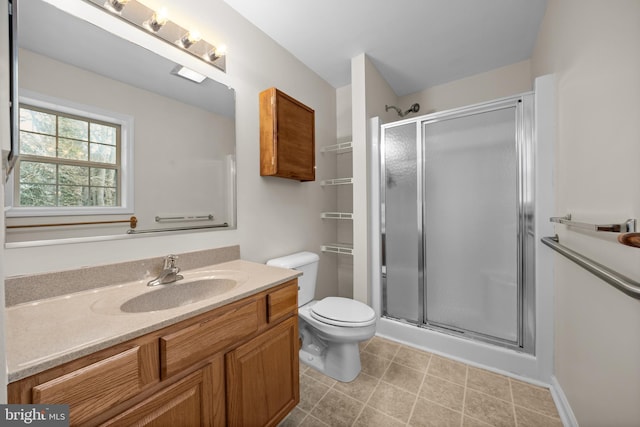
(138, 14)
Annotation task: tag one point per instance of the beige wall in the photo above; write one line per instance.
(501, 82)
(593, 48)
(275, 216)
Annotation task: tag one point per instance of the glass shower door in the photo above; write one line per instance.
(401, 275)
(470, 223)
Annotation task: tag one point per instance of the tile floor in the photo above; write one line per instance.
(402, 386)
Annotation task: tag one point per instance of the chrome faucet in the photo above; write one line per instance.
(169, 274)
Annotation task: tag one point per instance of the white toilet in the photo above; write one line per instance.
(330, 328)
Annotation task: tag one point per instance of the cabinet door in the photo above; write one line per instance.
(262, 377)
(192, 401)
(287, 137)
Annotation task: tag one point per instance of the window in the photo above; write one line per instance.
(73, 160)
(67, 160)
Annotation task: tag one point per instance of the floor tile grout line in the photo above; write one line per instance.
(494, 375)
(537, 412)
(491, 395)
(484, 423)
(441, 405)
(319, 420)
(368, 399)
(319, 400)
(413, 408)
(464, 396)
(466, 388)
(513, 405)
(349, 397)
(445, 379)
(378, 383)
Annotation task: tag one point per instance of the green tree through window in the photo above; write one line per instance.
(67, 160)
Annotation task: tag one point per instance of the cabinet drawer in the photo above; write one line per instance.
(188, 346)
(93, 389)
(282, 302)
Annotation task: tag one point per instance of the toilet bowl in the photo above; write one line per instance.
(330, 328)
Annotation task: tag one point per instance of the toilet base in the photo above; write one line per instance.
(332, 350)
(340, 361)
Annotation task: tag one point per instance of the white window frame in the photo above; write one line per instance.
(126, 123)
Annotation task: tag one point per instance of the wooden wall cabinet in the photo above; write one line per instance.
(287, 137)
(236, 365)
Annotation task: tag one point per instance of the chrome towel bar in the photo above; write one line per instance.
(208, 217)
(629, 226)
(615, 279)
(193, 227)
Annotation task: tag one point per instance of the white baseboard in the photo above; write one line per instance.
(564, 409)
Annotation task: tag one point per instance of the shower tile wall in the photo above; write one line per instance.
(402, 386)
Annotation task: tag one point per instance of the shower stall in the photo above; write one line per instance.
(457, 223)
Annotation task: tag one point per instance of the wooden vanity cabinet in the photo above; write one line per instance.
(236, 365)
(262, 377)
(287, 137)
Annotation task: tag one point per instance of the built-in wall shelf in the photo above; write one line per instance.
(338, 248)
(343, 147)
(336, 215)
(336, 181)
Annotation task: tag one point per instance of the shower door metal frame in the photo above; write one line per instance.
(383, 231)
(524, 147)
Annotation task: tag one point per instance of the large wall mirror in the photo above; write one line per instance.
(109, 130)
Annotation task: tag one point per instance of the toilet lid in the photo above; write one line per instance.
(343, 312)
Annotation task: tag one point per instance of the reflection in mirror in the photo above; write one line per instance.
(109, 130)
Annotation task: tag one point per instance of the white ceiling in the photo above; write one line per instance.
(414, 44)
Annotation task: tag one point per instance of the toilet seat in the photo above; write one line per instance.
(346, 312)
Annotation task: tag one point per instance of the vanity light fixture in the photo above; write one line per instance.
(115, 6)
(157, 23)
(215, 53)
(187, 40)
(157, 20)
(188, 73)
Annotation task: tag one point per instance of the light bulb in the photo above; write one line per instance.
(157, 21)
(215, 53)
(115, 6)
(189, 39)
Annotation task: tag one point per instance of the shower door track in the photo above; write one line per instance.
(458, 332)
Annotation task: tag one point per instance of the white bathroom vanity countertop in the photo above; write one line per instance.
(46, 333)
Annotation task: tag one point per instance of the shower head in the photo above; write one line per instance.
(413, 109)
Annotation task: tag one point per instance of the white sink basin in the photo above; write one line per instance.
(177, 294)
(197, 286)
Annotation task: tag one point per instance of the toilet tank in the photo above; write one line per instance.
(307, 262)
